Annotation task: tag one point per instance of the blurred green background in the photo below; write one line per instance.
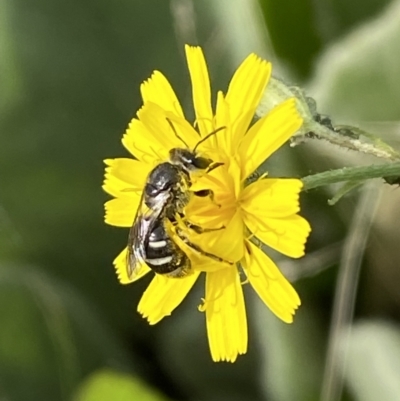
(69, 79)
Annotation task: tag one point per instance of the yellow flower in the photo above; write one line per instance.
(264, 211)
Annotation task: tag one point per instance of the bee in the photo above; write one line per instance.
(165, 195)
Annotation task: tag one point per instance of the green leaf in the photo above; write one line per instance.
(110, 385)
(345, 189)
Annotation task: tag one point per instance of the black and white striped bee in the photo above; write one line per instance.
(165, 195)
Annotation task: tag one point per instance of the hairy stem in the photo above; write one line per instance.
(351, 174)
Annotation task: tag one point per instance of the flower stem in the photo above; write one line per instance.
(376, 147)
(351, 174)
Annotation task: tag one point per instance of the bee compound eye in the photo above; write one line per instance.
(201, 163)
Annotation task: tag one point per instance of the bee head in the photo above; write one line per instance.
(188, 160)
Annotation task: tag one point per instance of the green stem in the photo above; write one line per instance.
(351, 174)
(355, 139)
(377, 148)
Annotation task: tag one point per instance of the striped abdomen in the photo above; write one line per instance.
(163, 256)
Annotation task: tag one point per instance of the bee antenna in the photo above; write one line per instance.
(176, 134)
(207, 136)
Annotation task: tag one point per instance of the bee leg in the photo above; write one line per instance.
(199, 230)
(200, 250)
(207, 192)
(204, 192)
(213, 166)
(196, 228)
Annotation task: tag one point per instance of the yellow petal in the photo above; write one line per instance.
(270, 284)
(198, 248)
(223, 139)
(231, 240)
(274, 198)
(227, 243)
(201, 91)
(143, 144)
(118, 188)
(246, 89)
(166, 135)
(158, 90)
(122, 271)
(121, 211)
(225, 315)
(190, 137)
(221, 181)
(238, 131)
(208, 213)
(163, 295)
(268, 134)
(124, 176)
(287, 235)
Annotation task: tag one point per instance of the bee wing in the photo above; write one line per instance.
(135, 250)
(138, 237)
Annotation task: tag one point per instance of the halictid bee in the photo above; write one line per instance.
(165, 195)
